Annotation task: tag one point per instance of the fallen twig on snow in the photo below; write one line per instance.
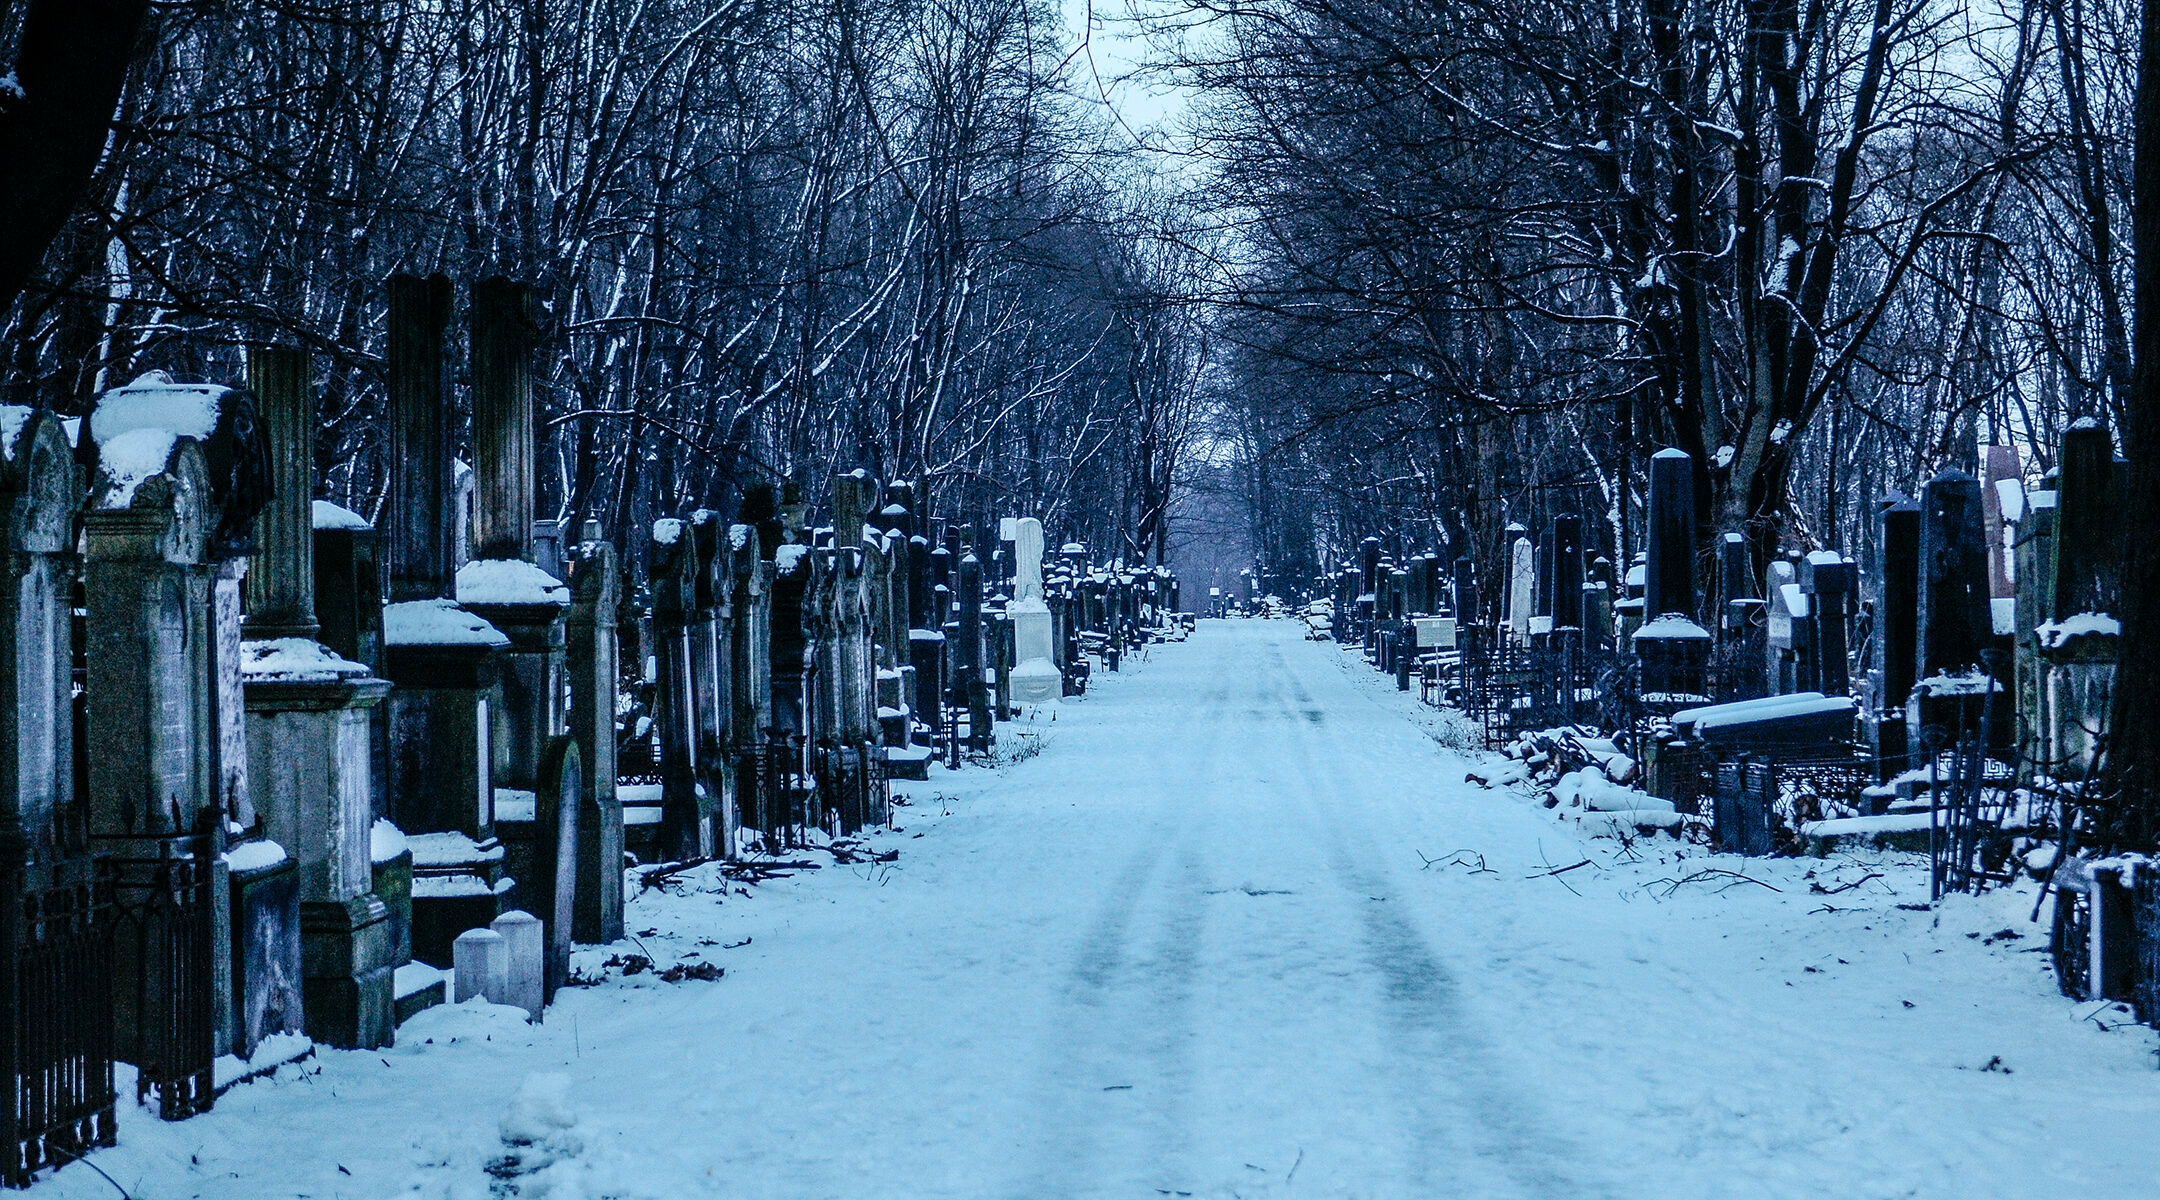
(1734, 878)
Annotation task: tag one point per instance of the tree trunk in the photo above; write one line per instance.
(2134, 739)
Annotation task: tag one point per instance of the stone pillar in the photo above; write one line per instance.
(310, 737)
(502, 332)
(417, 538)
(1567, 568)
(590, 655)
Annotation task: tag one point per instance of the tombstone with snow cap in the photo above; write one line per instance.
(52, 915)
(442, 660)
(1789, 631)
(154, 786)
(310, 737)
(2080, 643)
(41, 827)
(1673, 650)
(1956, 623)
(2032, 548)
(1828, 580)
(1897, 630)
(1740, 622)
(711, 644)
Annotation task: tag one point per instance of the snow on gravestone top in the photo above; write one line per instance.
(327, 514)
(154, 401)
(294, 660)
(14, 418)
(508, 581)
(385, 841)
(259, 855)
(436, 623)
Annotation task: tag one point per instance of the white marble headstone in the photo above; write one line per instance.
(1522, 591)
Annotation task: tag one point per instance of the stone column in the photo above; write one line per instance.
(417, 540)
(502, 332)
(590, 655)
(309, 729)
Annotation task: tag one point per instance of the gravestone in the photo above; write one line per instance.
(1522, 579)
(152, 734)
(1828, 579)
(1673, 650)
(310, 726)
(2079, 647)
(1955, 623)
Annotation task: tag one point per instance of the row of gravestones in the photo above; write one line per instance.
(1974, 590)
(298, 754)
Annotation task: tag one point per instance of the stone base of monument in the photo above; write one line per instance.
(458, 884)
(347, 957)
(1037, 681)
(1944, 707)
(267, 999)
(909, 762)
(1674, 653)
(415, 988)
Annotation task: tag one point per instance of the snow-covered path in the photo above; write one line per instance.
(1194, 946)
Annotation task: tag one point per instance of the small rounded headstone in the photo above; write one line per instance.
(480, 966)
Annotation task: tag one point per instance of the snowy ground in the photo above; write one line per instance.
(1194, 947)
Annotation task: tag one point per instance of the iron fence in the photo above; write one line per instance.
(56, 1051)
(164, 909)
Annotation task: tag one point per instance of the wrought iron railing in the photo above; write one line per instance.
(56, 1020)
(164, 907)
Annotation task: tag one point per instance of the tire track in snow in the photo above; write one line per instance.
(1501, 1140)
(1104, 1023)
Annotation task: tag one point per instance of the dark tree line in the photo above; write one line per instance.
(770, 237)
